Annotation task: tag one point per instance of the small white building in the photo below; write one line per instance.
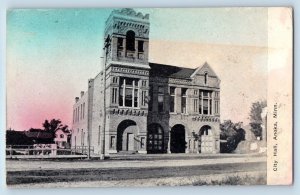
(62, 138)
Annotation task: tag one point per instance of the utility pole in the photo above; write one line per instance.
(106, 46)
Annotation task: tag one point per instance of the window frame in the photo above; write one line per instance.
(160, 94)
(172, 95)
(135, 90)
(184, 96)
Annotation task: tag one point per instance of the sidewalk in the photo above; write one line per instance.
(26, 165)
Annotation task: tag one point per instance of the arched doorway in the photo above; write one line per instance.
(178, 143)
(206, 142)
(155, 139)
(126, 133)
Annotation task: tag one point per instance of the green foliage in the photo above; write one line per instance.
(255, 117)
(233, 134)
(53, 126)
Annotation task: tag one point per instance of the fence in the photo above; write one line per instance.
(35, 151)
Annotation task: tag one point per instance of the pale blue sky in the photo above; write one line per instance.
(51, 54)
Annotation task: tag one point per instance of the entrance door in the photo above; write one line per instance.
(206, 144)
(130, 141)
(155, 140)
(178, 143)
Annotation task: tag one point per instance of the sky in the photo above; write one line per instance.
(51, 54)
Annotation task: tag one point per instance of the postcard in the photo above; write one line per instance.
(149, 97)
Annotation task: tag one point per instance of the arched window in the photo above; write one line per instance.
(205, 78)
(130, 40)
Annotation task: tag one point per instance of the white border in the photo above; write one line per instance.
(5, 4)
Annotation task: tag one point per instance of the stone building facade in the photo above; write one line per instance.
(134, 105)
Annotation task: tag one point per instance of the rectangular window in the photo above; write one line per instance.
(112, 142)
(144, 94)
(120, 43)
(141, 46)
(172, 99)
(200, 102)
(183, 100)
(195, 92)
(121, 98)
(142, 142)
(205, 105)
(128, 96)
(129, 82)
(150, 102)
(216, 94)
(195, 105)
(135, 103)
(160, 99)
(210, 107)
(114, 96)
(217, 107)
(115, 79)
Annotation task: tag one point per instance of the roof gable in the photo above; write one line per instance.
(205, 68)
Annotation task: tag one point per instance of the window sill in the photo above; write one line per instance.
(174, 113)
(124, 107)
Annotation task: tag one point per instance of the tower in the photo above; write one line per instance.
(127, 38)
(126, 71)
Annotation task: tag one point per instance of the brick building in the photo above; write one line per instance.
(134, 105)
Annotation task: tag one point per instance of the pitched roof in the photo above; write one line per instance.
(163, 70)
(38, 134)
(169, 71)
(204, 68)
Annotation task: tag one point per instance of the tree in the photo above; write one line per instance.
(233, 133)
(17, 138)
(255, 117)
(54, 125)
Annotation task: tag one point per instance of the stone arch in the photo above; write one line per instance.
(178, 139)
(206, 139)
(155, 138)
(127, 132)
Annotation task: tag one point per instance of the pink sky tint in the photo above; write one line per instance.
(242, 70)
(51, 54)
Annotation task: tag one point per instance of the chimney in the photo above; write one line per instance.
(76, 99)
(81, 93)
